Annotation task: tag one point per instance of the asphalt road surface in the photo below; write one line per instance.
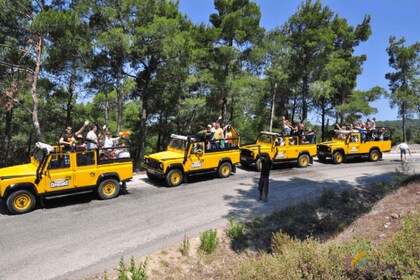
(80, 235)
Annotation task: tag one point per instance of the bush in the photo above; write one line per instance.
(209, 241)
(236, 230)
(185, 247)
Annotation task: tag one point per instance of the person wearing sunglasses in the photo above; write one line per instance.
(68, 137)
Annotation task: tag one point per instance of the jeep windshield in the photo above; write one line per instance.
(37, 156)
(177, 144)
(341, 134)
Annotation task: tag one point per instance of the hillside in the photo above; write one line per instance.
(367, 215)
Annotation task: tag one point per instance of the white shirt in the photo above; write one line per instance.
(109, 142)
(92, 136)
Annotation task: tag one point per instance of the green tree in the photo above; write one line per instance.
(404, 82)
(157, 43)
(233, 38)
(310, 39)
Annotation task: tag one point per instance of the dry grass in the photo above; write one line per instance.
(316, 241)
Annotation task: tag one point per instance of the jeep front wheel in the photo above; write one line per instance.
(151, 176)
(20, 202)
(174, 178)
(224, 170)
(321, 158)
(303, 160)
(338, 157)
(244, 164)
(108, 189)
(374, 155)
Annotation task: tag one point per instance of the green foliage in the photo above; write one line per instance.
(122, 270)
(236, 230)
(143, 66)
(138, 273)
(209, 241)
(185, 246)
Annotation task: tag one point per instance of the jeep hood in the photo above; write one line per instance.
(255, 147)
(331, 143)
(167, 155)
(22, 170)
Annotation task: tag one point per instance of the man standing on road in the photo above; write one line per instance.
(403, 147)
(264, 178)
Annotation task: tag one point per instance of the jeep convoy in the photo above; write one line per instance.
(351, 144)
(53, 171)
(280, 148)
(191, 155)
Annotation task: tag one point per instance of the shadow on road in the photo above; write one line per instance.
(305, 208)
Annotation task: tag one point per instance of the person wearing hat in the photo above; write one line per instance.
(80, 143)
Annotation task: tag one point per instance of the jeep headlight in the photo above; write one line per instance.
(252, 154)
(161, 166)
(146, 160)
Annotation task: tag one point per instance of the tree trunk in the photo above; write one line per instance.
(404, 125)
(273, 98)
(35, 121)
(305, 90)
(120, 101)
(70, 98)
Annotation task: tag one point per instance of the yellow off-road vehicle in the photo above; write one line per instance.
(54, 172)
(347, 144)
(186, 156)
(280, 148)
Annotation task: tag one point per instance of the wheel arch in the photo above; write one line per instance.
(225, 159)
(175, 166)
(108, 175)
(21, 186)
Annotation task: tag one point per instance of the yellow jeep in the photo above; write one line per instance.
(53, 171)
(347, 144)
(187, 156)
(280, 148)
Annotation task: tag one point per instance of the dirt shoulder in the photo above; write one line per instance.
(381, 222)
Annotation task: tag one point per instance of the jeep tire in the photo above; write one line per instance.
(224, 170)
(20, 202)
(338, 157)
(174, 178)
(303, 160)
(108, 188)
(374, 155)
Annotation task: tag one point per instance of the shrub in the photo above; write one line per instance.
(138, 273)
(236, 230)
(185, 246)
(122, 270)
(209, 241)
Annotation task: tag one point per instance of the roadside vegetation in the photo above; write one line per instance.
(337, 236)
(145, 67)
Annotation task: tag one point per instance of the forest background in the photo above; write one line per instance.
(143, 66)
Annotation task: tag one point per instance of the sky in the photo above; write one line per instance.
(399, 18)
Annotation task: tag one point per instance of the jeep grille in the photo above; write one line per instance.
(246, 153)
(152, 163)
(323, 148)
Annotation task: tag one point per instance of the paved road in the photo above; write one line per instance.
(81, 235)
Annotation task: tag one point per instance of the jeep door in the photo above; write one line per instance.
(86, 171)
(198, 158)
(59, 175)
(353, 141)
